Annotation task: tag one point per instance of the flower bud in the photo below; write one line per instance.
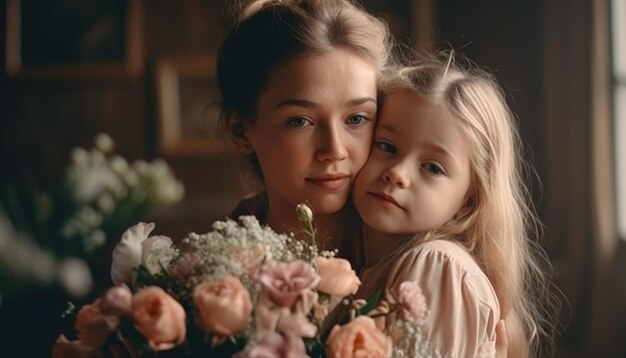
(305, 214)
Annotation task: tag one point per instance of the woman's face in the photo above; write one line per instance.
(313, 130)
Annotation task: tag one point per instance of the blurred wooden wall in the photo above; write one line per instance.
(540, 53)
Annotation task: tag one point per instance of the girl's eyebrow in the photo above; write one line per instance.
(432, 146)
(441, 150)
(311, 104)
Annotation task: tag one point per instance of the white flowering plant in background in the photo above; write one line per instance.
(48, 236)
(240, 290)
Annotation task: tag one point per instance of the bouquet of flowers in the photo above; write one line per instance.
(240, 290)
(48, 236)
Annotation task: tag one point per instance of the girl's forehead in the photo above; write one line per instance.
(415, 117)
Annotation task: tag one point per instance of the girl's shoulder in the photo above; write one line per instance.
(444, 262)
(458, 293)
(442, 252)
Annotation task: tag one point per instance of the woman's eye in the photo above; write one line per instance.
(387, 147)
(356, 120)
(299, 122)
(433, 169)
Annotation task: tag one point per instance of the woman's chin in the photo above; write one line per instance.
(327, 206)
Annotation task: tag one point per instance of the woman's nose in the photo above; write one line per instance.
(333, 145)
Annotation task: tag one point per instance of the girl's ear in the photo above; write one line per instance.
(237, 133)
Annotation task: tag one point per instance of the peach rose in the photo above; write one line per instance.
(116, 301)
(63, 348)
(94, 327)
(337, 278)
(159, 318)
(359, 338)
(223, 306)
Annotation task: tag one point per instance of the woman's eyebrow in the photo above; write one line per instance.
(308, 103)
(297, 102)
(361, 100)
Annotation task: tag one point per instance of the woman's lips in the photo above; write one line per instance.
(386, 198)
(330, 181)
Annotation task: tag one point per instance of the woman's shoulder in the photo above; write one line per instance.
(253, 205)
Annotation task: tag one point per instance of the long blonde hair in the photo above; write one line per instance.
(498, 225)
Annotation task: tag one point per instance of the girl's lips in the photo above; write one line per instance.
(331, 182)
(386, 198)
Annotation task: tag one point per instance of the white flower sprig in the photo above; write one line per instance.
(105, 187)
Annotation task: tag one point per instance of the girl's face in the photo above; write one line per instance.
(418, 173)
(313, 130)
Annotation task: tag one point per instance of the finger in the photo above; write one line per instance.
(502, 341)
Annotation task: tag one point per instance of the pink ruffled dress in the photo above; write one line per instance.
(463, 309)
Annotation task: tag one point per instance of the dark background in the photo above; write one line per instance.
(541, 52)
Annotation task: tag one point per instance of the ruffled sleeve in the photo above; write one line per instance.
(462, 306)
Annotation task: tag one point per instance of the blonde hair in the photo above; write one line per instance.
(498, 223)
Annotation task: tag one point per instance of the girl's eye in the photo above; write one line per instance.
(387, 147)
(356, 120)
(299, 122)
(433, 169)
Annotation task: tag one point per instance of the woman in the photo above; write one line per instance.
(299, 97)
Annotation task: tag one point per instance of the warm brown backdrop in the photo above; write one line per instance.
(545, 54)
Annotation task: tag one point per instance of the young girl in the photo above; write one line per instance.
(444, 204)
(298, 80)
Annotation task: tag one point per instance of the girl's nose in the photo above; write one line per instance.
(397, 175)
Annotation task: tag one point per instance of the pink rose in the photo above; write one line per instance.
(359, 338)
(411, 301)
(266, 314)
(185, 266)
(337, 277)
(159, 318)
(284, 283)
(275, 345)
(295, 323)
(94, 327)
(223, 306)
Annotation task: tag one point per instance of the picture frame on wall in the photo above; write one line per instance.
(187, 111)
(74, 39)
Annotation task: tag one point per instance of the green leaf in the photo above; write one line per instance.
(371, 303)
(314, 348)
